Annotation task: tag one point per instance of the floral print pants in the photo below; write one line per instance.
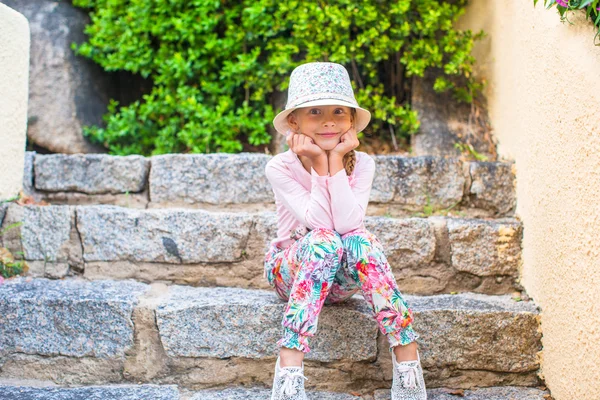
(323, 267)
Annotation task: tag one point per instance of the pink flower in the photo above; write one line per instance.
(394, 319)
(563, 3)
(1, 280)
(303, 291)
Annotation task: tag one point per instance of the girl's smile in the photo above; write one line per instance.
(328, 134)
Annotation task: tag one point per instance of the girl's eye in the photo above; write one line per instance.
(316, 111)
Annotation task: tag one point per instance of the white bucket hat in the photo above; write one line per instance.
(320, 84)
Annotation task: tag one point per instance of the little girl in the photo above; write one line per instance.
(323, 253)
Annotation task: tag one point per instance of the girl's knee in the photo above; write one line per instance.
(362, 232)
(325, 235)
(366, 239)
(326, 242)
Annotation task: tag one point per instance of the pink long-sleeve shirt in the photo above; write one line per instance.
(308, 200)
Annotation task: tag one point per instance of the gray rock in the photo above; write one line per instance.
(492, 393)
(409, 181)
(130, 200)
(407, 242)
(28, 188)
(18, 368)
(91, 173)
(436, 181)
(384, 185)
(493, 186)
(485, 248)
(472, 302)
(44, 233)
(210, 178)
(266, 228)
(115, 392)
(230, 322)
(111, 233)
(67, 317)
(66, 92)
(55, 270)
(479, 332)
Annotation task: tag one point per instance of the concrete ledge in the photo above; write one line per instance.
(479, 332)
(171, 392)
(231, 322)
(493, 393)
(237, 182)
(427, 255)
(113, 392)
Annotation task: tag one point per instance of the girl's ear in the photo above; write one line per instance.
(292, 121)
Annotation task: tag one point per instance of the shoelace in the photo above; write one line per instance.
(288, 385)
(409, 378)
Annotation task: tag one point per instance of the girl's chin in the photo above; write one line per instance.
(328, 142)
(327, 147)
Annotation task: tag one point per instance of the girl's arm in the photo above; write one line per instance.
(312, 208)
(349, 204)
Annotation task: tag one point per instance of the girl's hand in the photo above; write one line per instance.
(304, 146)
(348, 142)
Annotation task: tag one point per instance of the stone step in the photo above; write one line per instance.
(73, 331)
(171, 392)
(223, 181)
(492, 393)
(112, 392)
(202, 248)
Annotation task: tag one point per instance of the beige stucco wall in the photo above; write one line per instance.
(14, 75)
(544, 99)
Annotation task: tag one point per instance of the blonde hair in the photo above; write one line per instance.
(349, 160)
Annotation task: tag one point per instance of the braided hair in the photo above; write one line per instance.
(349, 159)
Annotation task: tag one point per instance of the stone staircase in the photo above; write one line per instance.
(145, 282)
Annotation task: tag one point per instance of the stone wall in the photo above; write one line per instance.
(77, 332)
(207, 219)
(544, 96)
(402, 186)
(199, 247)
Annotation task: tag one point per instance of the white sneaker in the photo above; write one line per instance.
(408, 381)
(288, 383)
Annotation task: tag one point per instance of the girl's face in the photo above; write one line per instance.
(325, 125)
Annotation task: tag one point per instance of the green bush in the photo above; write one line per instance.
(217, 67)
